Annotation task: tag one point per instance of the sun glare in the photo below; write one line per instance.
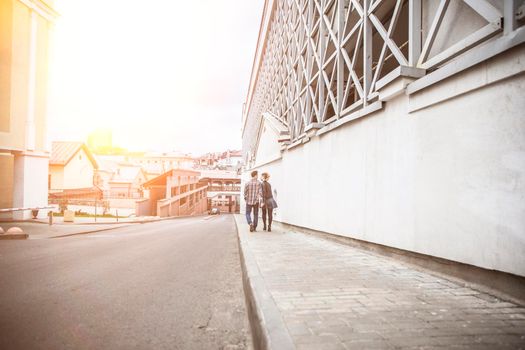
(159, 76)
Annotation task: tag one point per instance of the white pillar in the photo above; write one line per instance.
(50, 72)
(29, 184)
(509, 12)
(414, 31)
(367, 51)
(30, 118)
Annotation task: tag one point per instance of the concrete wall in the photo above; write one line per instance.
(57, 177)
(6, 40)
(155, 194)
(174, 208)
(143, 207)
(13, 137)
(6, 182)
(440, 172)
(122, 203)
(268, 148)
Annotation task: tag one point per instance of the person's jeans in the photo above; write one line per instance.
(255, 208)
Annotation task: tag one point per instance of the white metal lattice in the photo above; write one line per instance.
(322, 59)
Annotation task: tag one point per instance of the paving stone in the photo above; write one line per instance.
(330, 346)
(368, 345)
(333, 296)
(298, 329)
(316, 339)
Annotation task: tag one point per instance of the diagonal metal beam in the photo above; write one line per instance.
(472, 40)
(391, 27)
(391, 44)
(485, 9)
(438, 18)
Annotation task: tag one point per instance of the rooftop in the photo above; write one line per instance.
(63, 151)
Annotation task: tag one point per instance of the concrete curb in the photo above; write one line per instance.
(123, 224)
(9, 236)
(91, 231)
(32, 221)
(267, 326)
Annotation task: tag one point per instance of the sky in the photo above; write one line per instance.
(164, 75)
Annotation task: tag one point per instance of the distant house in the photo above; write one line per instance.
(177, 192)
(224, 189)
(127, 182)
(228, 160)
(71, 166)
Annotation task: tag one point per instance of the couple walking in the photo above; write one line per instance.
(256, 192)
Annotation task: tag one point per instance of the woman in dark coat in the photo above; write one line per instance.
(267, 202)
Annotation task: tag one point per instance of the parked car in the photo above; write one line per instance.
(214, 211)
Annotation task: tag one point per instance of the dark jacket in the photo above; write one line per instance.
(267, 193)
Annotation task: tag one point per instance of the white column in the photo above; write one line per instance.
(30, 118)
(51, 58)
(509, 13)
(340, 61)
(29, 184)
(414, 31)
(169, 183)
(367, 51)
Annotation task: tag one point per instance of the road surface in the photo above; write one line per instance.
(166, 285)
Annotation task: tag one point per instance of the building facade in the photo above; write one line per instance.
(157, 163)
(224, 189)
(395, 122)
(24, 42)
(174, 193)
(230, 160)
(71, 166)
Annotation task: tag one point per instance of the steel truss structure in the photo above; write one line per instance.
(321, 60)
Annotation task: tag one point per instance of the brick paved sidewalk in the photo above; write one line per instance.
(333, 296)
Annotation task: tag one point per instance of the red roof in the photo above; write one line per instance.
(63, 152)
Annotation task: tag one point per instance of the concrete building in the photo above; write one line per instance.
(120, 179)
(399, 123)
(24, 42)
(121, 183)
(126, 182)
(228, 161)
(174, 193)
(71, 166)
(224, 190)
(159, 163)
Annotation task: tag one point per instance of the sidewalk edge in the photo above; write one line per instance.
(267, 326)
(92, 231)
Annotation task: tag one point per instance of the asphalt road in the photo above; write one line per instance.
(165, 285)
